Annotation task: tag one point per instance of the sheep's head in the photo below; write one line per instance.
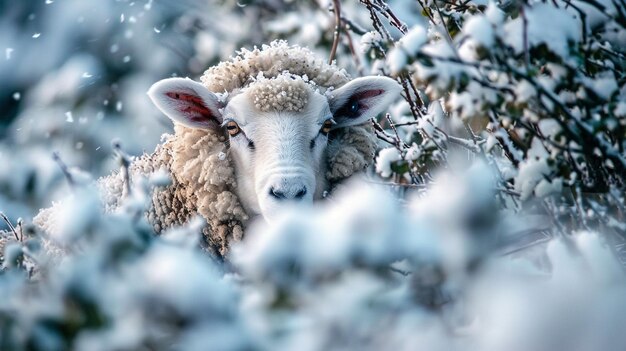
(278, 129)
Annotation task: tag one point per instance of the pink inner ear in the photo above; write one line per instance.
(192, 107)
(367, 94)
(362, 97)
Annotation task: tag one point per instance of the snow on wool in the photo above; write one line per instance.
(199, 161)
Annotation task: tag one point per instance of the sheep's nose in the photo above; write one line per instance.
(296, 193)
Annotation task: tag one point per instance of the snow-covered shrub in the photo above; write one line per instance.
(351, 275)
(345, 275)
(513, 253)
(105, 282)
(536, 89)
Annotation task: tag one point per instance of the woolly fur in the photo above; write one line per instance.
(202, 175)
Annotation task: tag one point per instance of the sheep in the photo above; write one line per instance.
(271, 127)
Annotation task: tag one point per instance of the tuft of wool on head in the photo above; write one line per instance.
(286, 92)
(273, 60)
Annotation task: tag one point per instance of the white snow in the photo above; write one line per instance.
(407, 46)
(562, 29)
(480, 29)
(531, 172)
(546, 187)
(524, 91)
(369, 40)
(604, 86)
(384, 160)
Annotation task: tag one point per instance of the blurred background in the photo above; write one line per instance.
(75, 74)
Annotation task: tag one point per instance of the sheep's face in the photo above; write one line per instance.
(277, 144)
(279, 155)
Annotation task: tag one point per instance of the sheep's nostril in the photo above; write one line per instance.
(277, 194)
(300, 194)
(288, 194)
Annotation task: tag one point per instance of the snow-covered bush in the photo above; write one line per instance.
(105, 282)
(345, 275)
(536, 89)
(492, 220)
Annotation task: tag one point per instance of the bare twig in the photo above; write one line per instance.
(412, 123)
(64, 169)
(412, 105)
(525, 38)
(401, 145)
(353, 26)
(412, 186)
(384, 10)
(443, 22)
(124, 161)
(20, 226)
(467, 144)
(399, 271)
(399, 142)
(337, 11)
(381, 134)
(355, 55)
(8, 222)
(419, 102)
(378, 25)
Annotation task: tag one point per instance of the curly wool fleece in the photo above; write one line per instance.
(198, 161)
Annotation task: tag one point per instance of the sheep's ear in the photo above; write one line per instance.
(362, 99)
(187, 102)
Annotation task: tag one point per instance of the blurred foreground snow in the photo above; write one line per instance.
(361, 271)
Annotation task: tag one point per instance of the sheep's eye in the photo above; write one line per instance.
(233, 128)
(326, 126)
(354, 107)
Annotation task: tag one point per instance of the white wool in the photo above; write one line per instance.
(273, 60)
(286, 92)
